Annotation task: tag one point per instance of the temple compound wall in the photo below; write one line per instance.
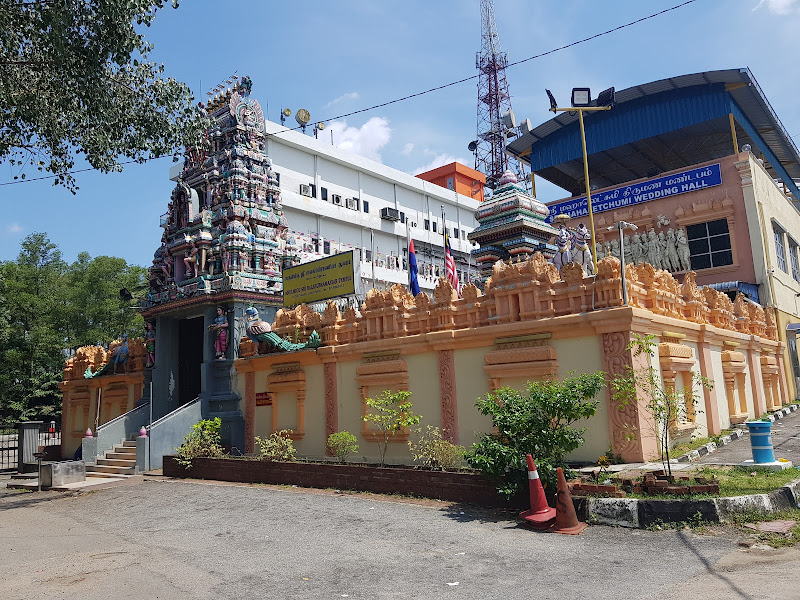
(530, 323)
(116, 393)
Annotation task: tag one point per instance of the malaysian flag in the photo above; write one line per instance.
(450, 266)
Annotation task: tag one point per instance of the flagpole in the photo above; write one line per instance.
(444, 241)
(372, 255)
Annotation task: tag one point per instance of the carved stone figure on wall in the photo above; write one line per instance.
(190, 261)
(672, 250)
(219, 328)
(599, 251)
(615, 248)
(683, 250)
(636, 249)
(653, 249)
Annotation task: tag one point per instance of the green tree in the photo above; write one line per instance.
(539, 423)
(667, 406)
(31, 355)
(389, 413)
(75, 79)
(95, 314)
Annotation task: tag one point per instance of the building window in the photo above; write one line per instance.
(709, 244)
(402, 217)
(365, 204)
(427, 225)
(793, 258)
(326, 247)
(450, 184)
(463, 234)
(780, 248)
(434, 227)
(455, 233)
(313, 190)
(369, 255)
(324, 193)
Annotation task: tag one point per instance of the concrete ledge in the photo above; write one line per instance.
(635, 513)
(61, 473)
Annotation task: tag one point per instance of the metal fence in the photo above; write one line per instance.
(49, 437)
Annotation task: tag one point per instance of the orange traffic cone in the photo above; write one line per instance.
(566, 519)
(540, 516)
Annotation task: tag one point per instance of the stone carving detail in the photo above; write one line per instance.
(624, 419)
(572, 272)
(330, 315)
(447, 393)
(444, 292)
(331, 401)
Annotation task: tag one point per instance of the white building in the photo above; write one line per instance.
(335, 201)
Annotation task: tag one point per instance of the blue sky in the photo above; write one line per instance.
(335, 57)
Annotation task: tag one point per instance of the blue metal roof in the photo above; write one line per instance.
(662, 126)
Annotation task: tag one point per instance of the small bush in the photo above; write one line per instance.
(202, 441)
(342, 444)
(277, 447)
(431, 450)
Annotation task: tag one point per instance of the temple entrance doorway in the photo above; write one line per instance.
(191, 336)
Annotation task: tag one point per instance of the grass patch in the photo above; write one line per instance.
(697, 442)
(739, 481)
(776, 540)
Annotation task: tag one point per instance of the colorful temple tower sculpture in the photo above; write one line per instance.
(512, 223)
(222, 250)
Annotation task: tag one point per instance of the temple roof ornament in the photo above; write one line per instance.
(224, 228)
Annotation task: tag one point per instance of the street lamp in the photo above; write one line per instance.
(581, 101)
(622, 226)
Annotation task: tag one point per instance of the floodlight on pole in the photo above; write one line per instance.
(582, 94)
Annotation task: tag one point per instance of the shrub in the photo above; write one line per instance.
(431, 450)
(277, 447)
(390, 412)
(342, 444)
(539, 423)
(202, 441)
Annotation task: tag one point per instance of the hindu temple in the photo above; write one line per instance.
(512, 223)
(222, 251)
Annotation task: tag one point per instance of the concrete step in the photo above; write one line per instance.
(116, 462)
(106, 475)
(121, 455)
(129, 444)
(109, 469)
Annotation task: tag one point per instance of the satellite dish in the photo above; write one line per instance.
(320, 125)
(287, 112)
(472, 146)
(302, 117)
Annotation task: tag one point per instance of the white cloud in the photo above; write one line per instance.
(779, 7)
(439, 160)
(342, 98)
(14, 228)
(366, 140)
(407, 149)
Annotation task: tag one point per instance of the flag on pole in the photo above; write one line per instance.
(450, 266)
(413, 283)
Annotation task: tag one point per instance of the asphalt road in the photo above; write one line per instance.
(175, 540)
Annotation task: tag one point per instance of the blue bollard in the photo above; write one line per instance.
(761, 441)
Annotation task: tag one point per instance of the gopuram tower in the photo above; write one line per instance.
(222, 250)
(512, 223)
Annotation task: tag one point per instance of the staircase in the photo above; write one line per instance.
(118, 463)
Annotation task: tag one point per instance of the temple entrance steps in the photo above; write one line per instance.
(119, 462)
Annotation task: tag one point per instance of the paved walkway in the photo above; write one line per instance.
(785, 440)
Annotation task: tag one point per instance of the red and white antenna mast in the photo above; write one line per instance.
(496, 121)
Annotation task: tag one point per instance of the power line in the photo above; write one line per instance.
(417, 94)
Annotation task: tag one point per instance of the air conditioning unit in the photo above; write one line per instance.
(352, 203)
(305, 190)
(336, 199)
(390, 214)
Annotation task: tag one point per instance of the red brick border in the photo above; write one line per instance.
(470, 488)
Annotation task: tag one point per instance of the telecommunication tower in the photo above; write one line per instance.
(496, 121)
